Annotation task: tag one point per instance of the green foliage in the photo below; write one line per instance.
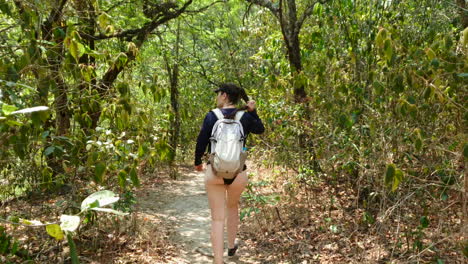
(255, 200)
(8, 246)
(68, 223)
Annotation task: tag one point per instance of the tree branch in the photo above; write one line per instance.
(144, 30)
(267, 4)
(54, 17)
(307, 13)
(204, 8)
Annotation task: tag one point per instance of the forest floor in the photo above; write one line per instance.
(170, 224)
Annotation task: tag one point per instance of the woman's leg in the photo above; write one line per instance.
(234, 192)
(216, 192)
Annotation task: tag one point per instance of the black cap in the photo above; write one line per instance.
(228, 88)
(234, 92)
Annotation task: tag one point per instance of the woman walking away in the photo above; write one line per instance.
(225, 175)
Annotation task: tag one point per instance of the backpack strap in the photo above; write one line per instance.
(239, 115)
(218, 113)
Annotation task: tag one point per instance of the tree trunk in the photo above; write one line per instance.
(295, 63)
(463, 13)
(175, 129)
(174, 91)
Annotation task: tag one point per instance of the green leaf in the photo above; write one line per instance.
(102, 197)
(104, 20)
(397, 179)
(76, 49)
(134, 177)
(390, 174)
(55, 231)
(398, 83)
(381, 36)
(49, 150)
(8, 109)
(122, 178)
(429, 92)
(424, 221)
(69, 223)
(5, 8)
(463, 75)
(430, 54)
(108, 210)
(388, 50)
(99, 171)
(378, 87)
(47, 175)
(121, 60)
(13, 123)
(418, 144)
(123, 88)
(141, 151)
(318, 9)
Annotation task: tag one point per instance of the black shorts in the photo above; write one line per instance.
(230, 181)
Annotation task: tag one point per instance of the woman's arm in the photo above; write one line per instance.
(256, 125)
(204, 137)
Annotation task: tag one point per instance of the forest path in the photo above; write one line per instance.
(182, 204)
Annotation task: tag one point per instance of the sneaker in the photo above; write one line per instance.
(232, 251)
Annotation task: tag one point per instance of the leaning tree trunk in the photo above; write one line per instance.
(463, 13)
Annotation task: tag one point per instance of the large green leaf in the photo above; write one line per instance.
(103, 198)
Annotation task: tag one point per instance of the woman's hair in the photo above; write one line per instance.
(234, 93)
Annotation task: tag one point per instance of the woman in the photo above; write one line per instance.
(223, 192)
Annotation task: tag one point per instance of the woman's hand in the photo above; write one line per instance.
(250, 105)
(199, 167)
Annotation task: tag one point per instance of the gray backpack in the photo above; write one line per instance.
(227, 156)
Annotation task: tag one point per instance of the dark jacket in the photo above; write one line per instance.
(250, 121)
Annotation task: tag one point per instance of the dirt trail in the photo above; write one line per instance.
(183, 205)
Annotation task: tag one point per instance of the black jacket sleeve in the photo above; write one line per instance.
(204, 137)
(256, 125)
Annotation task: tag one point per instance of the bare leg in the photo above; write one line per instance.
(234, 192)
(216, 192)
